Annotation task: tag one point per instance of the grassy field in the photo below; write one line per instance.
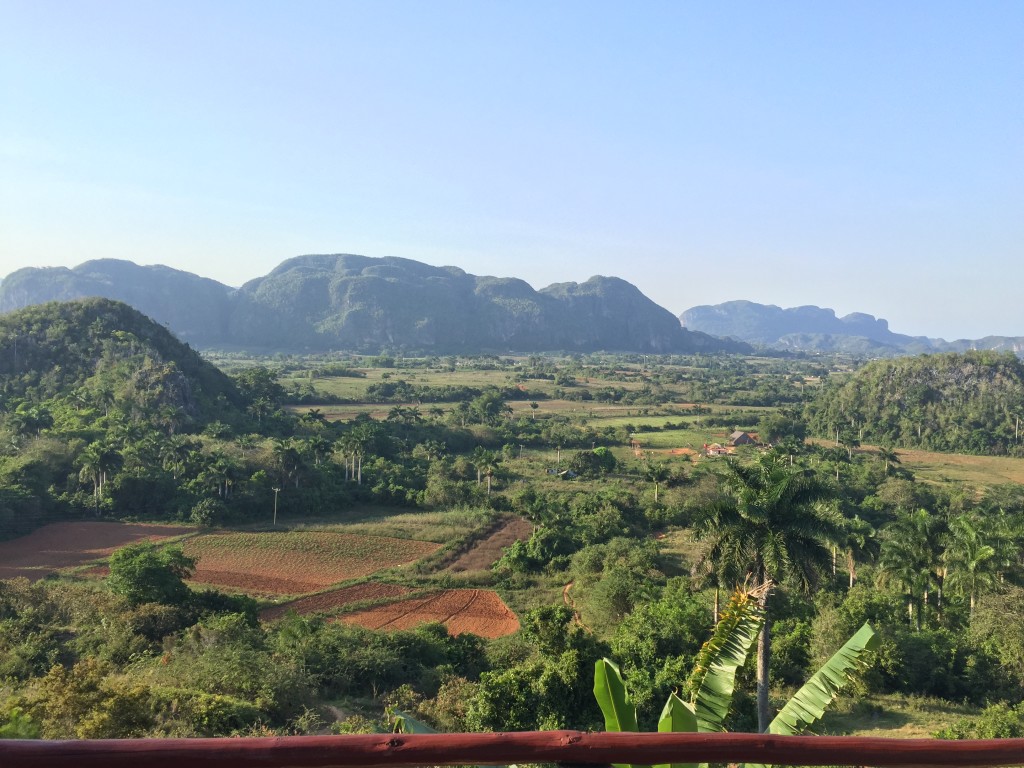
(973, 470)
(441, 526)
(894, 716)
(977, 471)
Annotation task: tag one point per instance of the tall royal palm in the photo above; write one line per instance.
(773, 524)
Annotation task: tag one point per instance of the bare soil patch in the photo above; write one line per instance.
(64, 545)
(478, 611)
(336, 598)
(486, 552)
(294, 562)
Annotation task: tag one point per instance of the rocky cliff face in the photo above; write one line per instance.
(355, 302)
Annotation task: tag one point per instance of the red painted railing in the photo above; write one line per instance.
(566, 747)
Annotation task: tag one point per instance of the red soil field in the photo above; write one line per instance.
(291, 563)
(336, 598)
(479, 611)
(486, 552)
(63, 545)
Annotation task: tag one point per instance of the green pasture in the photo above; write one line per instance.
(978, 471)
(893, 716)
(442, 526)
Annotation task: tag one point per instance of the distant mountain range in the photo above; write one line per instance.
(813, 329)
(362, 304)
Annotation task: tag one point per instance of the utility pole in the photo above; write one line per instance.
(276, 491)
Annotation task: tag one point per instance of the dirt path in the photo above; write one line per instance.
(487, 551)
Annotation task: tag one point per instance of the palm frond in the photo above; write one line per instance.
(714, 674)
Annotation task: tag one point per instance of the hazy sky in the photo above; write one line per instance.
(864, 156)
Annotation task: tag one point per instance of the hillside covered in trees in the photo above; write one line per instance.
(362, 304)
(967, 403)
(98, 353)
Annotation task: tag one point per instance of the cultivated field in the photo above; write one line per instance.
(296, 562)
(486, 552)
(326, 602)
(478, 611)
(65, 545)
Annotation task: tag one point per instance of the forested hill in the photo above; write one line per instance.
(967, 403)
(103, 354)
(814, 329)
(357, 303)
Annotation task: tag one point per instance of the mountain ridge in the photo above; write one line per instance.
(324, 302)
(810, 328)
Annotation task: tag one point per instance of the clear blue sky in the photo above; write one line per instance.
(865, 156)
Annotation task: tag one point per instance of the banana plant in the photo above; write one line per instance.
(620, 712)
(808, 705)
(713, 680)
(406, 723)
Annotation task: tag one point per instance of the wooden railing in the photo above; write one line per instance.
(565, 747)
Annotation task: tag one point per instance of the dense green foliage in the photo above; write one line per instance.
(966, 403)
(142, 573)
(104, 353)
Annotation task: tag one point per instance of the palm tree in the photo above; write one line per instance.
(487, 464)
(176, 453)
(858, 539)
(361, 436)
(289, 459)
(838, 457)
(96, 460)
(910, 556)
(889, 456)
(1006, 536)
(479, 458)
(774, 526)
(849, 440)
(657, 474)
(971, 560)
(319, 448)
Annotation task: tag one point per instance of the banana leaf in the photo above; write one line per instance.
(408, 724)
(677, 717)
(808, 705)
(714, 674)
(619, 712)
(610, 691)
(405, 723)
